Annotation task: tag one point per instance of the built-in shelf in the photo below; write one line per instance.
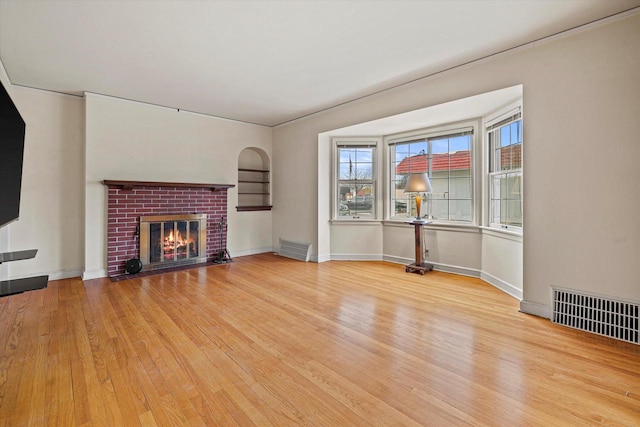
(129, 185)
(253, 190)
(253, 208)
(252, 170)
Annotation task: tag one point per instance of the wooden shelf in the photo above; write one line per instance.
(253, 190)
(253, 208)
(129, 185)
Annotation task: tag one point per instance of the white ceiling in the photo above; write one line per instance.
(265, 62)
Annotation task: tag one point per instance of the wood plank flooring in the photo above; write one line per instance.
(269, 341)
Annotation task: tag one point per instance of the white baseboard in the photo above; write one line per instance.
(320, 258)
(540, 310)
(65, 274)
(253, 251)
(94, 274)
(396, 259)
(505, 287)
(537, 309)
(502, 285)
(463, 271)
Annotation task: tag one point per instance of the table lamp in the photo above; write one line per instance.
(418, 183)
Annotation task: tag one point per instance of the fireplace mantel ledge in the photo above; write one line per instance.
(129, 185)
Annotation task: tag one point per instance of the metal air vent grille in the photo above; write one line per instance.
(599, 315)
(295, 250)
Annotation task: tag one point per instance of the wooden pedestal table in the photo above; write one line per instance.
(419, 266)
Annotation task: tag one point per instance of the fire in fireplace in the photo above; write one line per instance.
(171, 240)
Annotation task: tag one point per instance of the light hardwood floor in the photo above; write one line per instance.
(270, 341)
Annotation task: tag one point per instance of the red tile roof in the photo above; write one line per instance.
(439, 162)
(458, 160)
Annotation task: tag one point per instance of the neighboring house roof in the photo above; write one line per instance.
(458, 160)
(439, 162)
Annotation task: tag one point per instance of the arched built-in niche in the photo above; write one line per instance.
(253, 180)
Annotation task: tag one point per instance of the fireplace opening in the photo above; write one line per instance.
(171, 240)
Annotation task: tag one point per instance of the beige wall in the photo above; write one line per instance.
(582, 103)
(362, 241)
(132, 141)
(502, 261)
(52, 198)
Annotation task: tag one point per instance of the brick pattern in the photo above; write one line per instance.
(126, 206)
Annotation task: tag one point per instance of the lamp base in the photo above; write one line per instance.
(415, 268)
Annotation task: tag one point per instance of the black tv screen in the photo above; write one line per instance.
(11, 155)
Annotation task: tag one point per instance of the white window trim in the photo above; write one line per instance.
(355, 141)
(490, 120)
(471, 124)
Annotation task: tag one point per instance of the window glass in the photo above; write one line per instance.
(356, 195)
(505, 172)
(447, 161)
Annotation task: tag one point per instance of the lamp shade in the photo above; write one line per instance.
(418, 183)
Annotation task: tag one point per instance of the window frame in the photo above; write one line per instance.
(505, 117)
(356, 142)
(427, 134)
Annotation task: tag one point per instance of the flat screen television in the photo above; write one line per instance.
(11, 156)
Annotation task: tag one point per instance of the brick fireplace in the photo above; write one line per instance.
(130, 200)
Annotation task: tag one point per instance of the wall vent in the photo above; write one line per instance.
(599, 315)
(295, 250)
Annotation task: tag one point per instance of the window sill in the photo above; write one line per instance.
(351, 221)
(505, 234)
(465, 228)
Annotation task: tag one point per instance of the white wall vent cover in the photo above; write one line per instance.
(599, 315)
(295, 250)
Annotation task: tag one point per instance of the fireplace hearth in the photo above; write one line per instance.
(172, 240)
